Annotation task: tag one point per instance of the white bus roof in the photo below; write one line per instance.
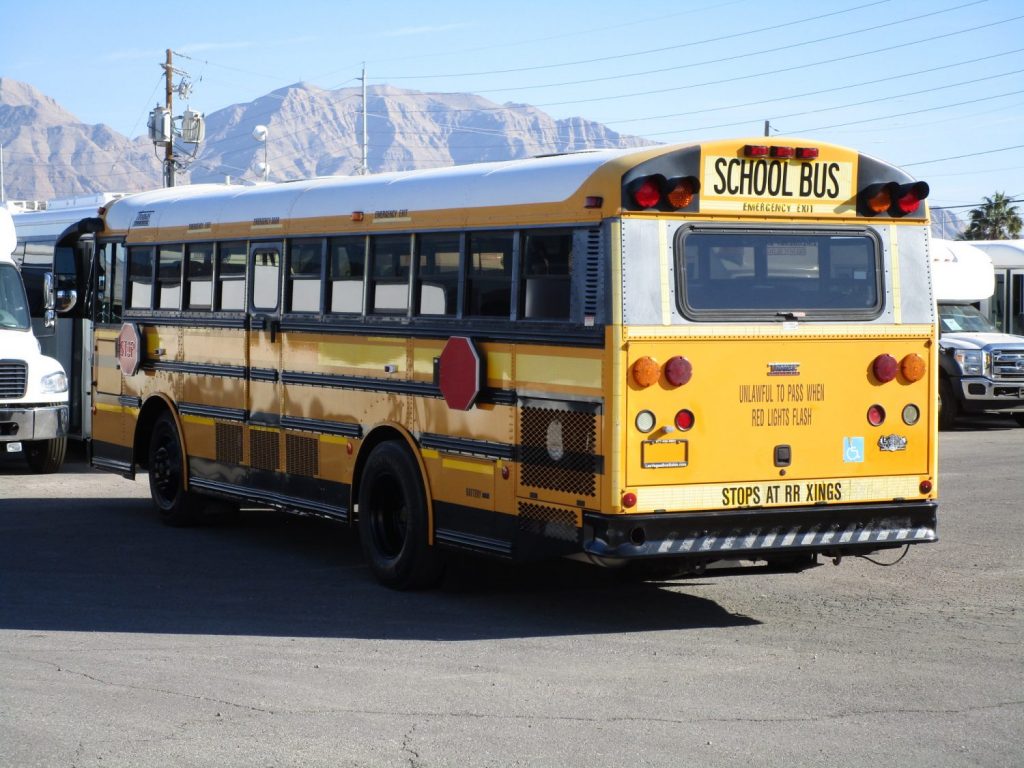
(1006, 254)
(960, 272)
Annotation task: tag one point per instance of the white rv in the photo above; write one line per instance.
(33, 387)
(981, 368)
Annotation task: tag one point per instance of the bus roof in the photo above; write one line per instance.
(547, 179)
(1005, 254)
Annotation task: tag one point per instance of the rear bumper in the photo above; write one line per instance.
(760, 534)
(33, 422)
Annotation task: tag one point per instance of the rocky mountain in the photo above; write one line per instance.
(49, 153)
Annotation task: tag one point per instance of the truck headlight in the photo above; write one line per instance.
(54, 383)
(971, 361)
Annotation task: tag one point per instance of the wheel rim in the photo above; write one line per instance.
(165, 467)
(389, 514)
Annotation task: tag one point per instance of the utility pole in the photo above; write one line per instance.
(767, 125)
(364, 165)
(168, 102)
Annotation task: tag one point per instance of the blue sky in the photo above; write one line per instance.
(935, 86)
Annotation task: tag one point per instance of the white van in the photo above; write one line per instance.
(33, 387)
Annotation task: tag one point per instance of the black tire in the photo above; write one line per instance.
(1019, 418)
(46, 456)
(947, 405)
(393, 525)
(176, 506)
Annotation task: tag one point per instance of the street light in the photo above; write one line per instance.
(260, 134)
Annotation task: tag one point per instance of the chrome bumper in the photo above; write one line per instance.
(42, 422)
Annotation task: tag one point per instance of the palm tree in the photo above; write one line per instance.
(995, 219)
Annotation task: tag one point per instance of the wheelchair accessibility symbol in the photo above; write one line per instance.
(853, 450)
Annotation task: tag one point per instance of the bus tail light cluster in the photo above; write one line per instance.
(885, 368)
(646, 371)
(656, 191)
(892, 198)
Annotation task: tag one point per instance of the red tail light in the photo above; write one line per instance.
(884, 367)
(755, 150)
(876, 415)
(647, 193)
(684, 420)
(909, 196)
(678, 371)
(629, 500)
(784, 152)
(806, 153)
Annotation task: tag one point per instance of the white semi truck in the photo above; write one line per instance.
(33, 387)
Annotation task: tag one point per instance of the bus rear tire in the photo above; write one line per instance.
(46, 456)
(393, 525)
(176, 506)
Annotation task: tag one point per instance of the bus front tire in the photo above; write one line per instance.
(947, 405)
(393, 525)
(46, 456)
(177, 507)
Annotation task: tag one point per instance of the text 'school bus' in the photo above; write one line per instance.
(672, 356)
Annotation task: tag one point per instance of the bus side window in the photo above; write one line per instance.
(345, 280)
(140, 277)
(437, 277)
(231, 262)
(489, 274)
(266, 273)
(389, 280)
(168, 277)
(547, 266)
(305, 262)
(200, 276)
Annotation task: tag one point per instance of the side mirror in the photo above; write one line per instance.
(66, 300)
(49, 291)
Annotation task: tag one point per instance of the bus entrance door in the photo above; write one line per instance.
(264, 384)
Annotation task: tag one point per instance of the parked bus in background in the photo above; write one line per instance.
(659, 358)
(981, 368)
(33, 387)
(48, 243)
(1005, 308)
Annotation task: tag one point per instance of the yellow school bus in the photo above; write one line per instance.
(664, 358)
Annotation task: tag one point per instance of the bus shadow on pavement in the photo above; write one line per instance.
(107, 565)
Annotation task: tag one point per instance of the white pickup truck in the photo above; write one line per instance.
(33, 387)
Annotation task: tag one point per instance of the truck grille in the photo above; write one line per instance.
(13, 378)
(1008, 364)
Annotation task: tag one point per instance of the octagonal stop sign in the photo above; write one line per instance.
(129, 349)
(460, 373)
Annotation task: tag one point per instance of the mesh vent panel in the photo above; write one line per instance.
(593, 272)
(558, 450)
(552, 522)
(264, 450)
(229, 443)
(302, 455)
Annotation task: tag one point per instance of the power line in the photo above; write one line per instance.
(618, 57)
